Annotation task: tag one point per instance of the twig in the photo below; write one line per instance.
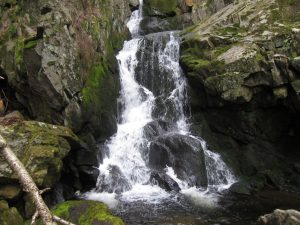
(62, 221)
(44, 190)
(34, 217)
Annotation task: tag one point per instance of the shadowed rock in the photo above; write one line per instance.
(184, 154)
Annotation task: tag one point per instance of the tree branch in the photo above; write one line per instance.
(34, 217)
(62, 221)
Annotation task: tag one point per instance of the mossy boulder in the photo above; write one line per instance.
(86, 213)
(41, 148)
(160, 16)
(9, 216)
(160, 7)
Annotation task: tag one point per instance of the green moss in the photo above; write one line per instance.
(30, 44)
(86, 213)
(163, 6)
(41, 148)
(19, 51)
(276, 15)
(289, 10)
(259, 57)
(224, 82)
(10, 216)
(220, 50)
(94, 83)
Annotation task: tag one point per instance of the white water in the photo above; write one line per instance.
(126, 146)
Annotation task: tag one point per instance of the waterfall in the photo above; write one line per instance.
(153, 147)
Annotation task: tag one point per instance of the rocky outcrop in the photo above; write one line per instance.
(58, 60)
(241, 62)
(280, 217)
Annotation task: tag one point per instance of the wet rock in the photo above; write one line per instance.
(88, 176)
(156, 128)
(159, 16)
(184, 154)
(160, 7)
(150, 25)
(164, 181)
(240, 188)
(134, 4)
(115, 182)
(280, 217)
(296, 63)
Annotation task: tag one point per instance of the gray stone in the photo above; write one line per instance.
(281, 217)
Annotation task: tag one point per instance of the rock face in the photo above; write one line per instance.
(58, 60)
(86, 213)
(165, 15)
(241, 60)
(280, 217)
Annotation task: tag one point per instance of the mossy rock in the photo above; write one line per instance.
(10, 216)
(41, 148)
(86, 213)
(160, 7)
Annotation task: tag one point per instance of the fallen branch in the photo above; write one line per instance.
(29, 186)
(61, 221)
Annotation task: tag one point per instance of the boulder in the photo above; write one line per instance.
(41, 148)
(9, 216)
(114, 182)
(160, 7)
(296, 63)
(134, 4)
(183, 153)
(156, 128)
(240, 188)
(280, 217)
(164, 181)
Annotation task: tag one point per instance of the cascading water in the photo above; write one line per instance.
(153, 141)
